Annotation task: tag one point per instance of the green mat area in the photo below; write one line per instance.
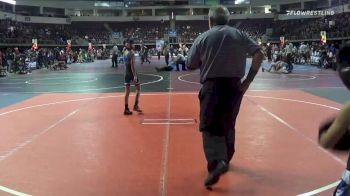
(83, 83)
(340, 95)
(10, 99)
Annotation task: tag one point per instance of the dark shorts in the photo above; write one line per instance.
(220, 100)
(129, 79)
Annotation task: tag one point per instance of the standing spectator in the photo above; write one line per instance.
(220, 54)
(9, 58)
(289, 56)
(115, 52)
(269, 52)
(144, 54)
(158, 53)
(39, 62)
(171, 50)
(166, 53)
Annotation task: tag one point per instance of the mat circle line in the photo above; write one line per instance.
(160, 78)
(58, 78)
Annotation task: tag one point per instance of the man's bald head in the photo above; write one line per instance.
(218, 15)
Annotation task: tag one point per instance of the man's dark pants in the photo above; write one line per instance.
(115, 60)
(182, 63)
(220, 101)
(167, 59)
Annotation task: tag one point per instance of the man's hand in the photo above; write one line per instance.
(244, 86)
(256, 64)
(135, 78)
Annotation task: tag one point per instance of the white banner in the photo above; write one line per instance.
(159, 44)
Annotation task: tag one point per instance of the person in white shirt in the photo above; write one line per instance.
(179, 59)
(115, 52)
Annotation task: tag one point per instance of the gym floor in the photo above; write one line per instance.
(64, 133)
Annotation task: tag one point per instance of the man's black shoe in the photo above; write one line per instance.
(137, 109)
(215, 174)
(127, 112)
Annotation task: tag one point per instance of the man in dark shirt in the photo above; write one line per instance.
(220, 54)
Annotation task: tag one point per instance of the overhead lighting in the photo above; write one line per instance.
(242, 1)
(13, 2)
(102, 4)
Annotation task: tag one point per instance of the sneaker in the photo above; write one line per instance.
(127, 112)
(137, 109)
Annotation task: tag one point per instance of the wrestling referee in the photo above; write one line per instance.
(220, 53)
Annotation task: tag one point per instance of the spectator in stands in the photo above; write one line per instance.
(2, 59)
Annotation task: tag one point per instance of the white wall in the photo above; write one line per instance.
(58, 3)
(90, 4)
(339, 9)
(158, 18)
(275, 2)
(52, 20)
(44, 20)
(250, 16)
(117, 19)
(34, 19)
(4, 15)
(290, 17)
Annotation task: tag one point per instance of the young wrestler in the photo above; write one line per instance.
(131, 77)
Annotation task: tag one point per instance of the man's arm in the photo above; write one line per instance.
(133, 64)
(193, 58)
(255, 51)
(254, 69)
(338, 128)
